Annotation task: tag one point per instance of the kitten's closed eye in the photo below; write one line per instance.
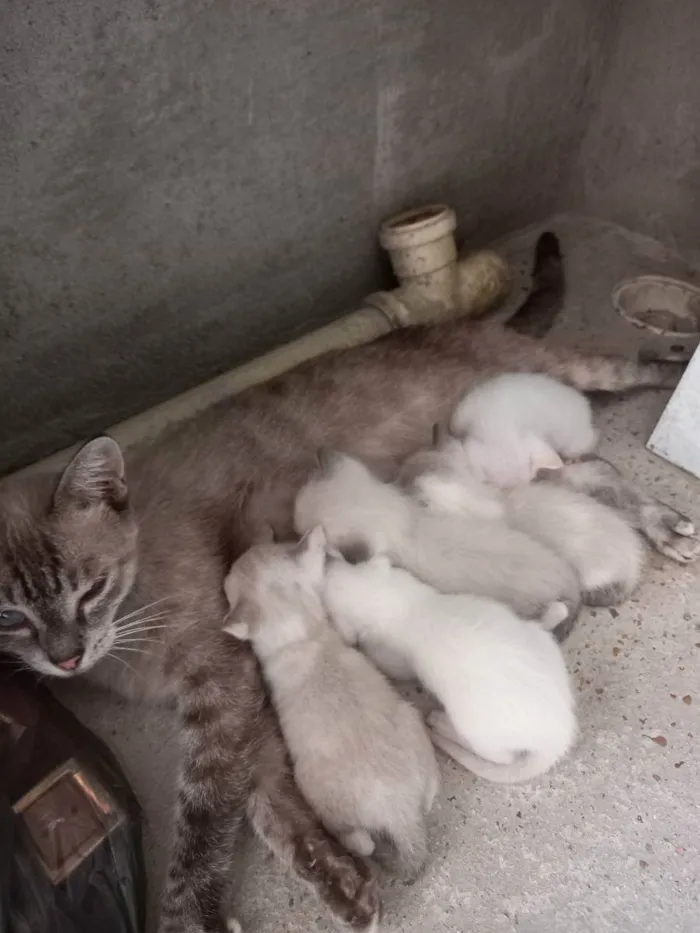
(12, 619)
(355, 552)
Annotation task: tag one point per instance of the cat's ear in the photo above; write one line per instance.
(328, 458)
(95, 476)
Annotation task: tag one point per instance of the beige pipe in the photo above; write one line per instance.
(434, 283)
(433, 280)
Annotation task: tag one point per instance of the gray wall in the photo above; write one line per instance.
(186, 183)
(640, 162)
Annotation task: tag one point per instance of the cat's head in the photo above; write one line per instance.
(357, 510)
(276, 583)
(67, 561)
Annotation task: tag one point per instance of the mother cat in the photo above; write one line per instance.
(77, 552)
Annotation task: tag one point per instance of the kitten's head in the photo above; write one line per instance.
(275, 583)
(357, 510)
(360, 597)
(67, 561)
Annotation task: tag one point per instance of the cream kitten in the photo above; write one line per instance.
(508, 705)
(597, 541)
(363, 516)
(518, 423)
(361, 754)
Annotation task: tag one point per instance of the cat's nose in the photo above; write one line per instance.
(69, 664)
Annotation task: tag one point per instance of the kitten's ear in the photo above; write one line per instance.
(328, 458)
(95, 476)
(239, 630)
(232, 588)
(542, 456)
(311, 552)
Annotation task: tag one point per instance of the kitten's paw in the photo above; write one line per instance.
(555, 613)
(233, 926)
(359, 841)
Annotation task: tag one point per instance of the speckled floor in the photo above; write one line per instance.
(609, 842)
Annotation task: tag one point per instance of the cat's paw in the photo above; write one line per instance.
(683, 550)
(347, 884)
(684, 527)
(233, 926)
(670, 532)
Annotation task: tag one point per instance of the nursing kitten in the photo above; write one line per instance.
(598, 542)
(363, 516)
(508, 705)
(361, 754)
(518, 423)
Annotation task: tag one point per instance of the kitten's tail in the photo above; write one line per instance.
(529, 766)
(409, 844)
(537, 313)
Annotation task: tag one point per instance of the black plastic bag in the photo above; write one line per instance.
(70, 828)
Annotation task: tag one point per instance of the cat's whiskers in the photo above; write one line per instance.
(155, 640)
(125, 663)
(139, 630)
(130, 615)
(143, 636)
(135, 650)
(140, 621)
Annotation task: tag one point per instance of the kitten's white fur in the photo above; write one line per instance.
(508, 704)
(362, 756)
(453, 554)
(605, 551)
(518, 423)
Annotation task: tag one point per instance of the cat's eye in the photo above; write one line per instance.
(97, 588)
(12, 619)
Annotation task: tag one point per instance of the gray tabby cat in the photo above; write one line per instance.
(71, 574)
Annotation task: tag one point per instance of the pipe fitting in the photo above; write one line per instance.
(434, 281)
(420, 241)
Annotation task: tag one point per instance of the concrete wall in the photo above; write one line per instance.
(186, 183)
(640, 162)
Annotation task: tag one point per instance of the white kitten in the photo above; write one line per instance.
(508, 705)
(597, 541)
(361, 754)
(363, 516)
(518, 423)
